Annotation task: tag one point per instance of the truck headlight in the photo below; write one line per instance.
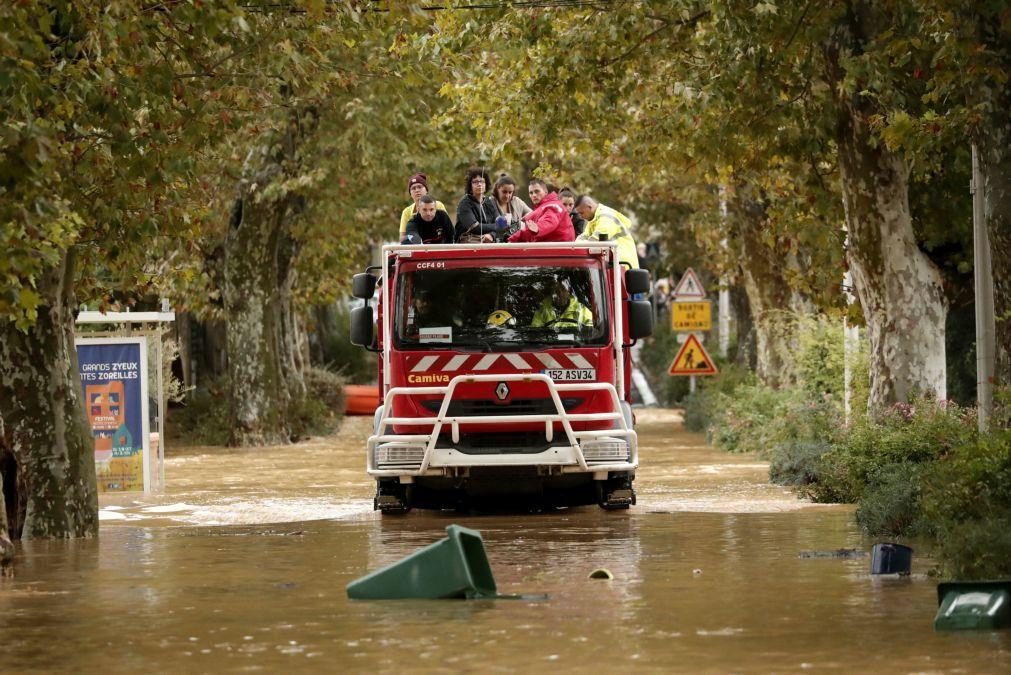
(398, 455)
(606, 449)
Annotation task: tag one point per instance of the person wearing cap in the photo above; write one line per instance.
(429, 225)
(417, 187)
(549, 221)
(607, 224)
(561, 309)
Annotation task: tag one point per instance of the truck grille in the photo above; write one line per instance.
(515, 442)
(519, 406)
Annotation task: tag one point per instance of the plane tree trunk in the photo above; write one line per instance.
(899, 289)
(773, 302)
(47, 463)
(264, 363)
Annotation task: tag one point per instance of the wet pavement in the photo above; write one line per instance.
(241, 566)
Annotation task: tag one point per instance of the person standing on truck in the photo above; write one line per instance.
(605, 223)
(475, 214)
(417, 187)
(549, 221)
(429, 225)
(568, 199)
(508, 205)
(561, 309)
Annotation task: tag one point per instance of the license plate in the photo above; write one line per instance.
(572, 375)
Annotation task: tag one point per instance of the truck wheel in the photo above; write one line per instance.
(392, 498)
(615, 494)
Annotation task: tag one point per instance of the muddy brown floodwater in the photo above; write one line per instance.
(241, 566)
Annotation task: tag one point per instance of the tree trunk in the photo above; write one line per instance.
(774, 304)
(264, 361)
(898, 287)
(50, 451)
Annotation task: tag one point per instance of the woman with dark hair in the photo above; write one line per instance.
(509, 207)
(475, 214)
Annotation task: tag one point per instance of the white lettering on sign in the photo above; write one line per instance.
(435, 264)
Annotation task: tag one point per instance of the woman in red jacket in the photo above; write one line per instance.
(549, 221)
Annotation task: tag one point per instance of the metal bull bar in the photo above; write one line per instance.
(561, 416)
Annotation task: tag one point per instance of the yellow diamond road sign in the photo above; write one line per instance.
(691, 316)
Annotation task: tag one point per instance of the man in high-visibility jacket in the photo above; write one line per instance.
(603, 222)
(561, 309)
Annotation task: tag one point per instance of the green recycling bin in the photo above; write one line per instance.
(454, 567)
(973, 605)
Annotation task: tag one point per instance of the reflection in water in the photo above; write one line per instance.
(706, 567)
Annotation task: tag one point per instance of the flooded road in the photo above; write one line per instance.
(241, 567)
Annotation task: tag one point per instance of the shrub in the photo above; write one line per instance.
(707, 403)
(796, 461)
(914, 433)
(205, 417)
(967, 499)
(743, 421)
(890, 506)
(321, 412)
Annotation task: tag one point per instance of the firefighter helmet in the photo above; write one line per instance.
(500, 317)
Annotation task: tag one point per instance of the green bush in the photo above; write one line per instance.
(890, 506)
(704, 405)
(355, 364)
(204, 419)
(915, 433)
(321, 412)
(744, 420)
(967, 499)
(796, 461)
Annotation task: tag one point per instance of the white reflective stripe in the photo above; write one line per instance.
(518, 362)
(578, 361)
(424, 363)
(485, 363)
(455, 363)
(549, 361)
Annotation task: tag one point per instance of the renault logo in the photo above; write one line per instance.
(502, 391)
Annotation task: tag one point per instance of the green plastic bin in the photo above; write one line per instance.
(973, 605)
(454, 567)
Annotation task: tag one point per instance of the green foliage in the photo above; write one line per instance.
(702, 407)
(204, 418)
(905, 433)
(890, 505)
(320, 413)
(353, 363)
(967, 499)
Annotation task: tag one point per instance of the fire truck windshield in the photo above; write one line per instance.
(500, 307)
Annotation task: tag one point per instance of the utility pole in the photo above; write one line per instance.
(724, 293)
(985, 322)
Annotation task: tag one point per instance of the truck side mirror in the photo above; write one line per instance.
(637, 281)
(640, 318)
(363, 286)
(361, 325)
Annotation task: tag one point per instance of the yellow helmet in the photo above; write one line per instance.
(500, 317)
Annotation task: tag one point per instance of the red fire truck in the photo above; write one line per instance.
(505, 373)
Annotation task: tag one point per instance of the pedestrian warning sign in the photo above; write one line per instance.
(689, 287)
(692, 359)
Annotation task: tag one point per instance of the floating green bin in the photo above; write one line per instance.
(454, 567)
(973, 605)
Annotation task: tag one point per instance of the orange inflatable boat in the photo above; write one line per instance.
(361, 399)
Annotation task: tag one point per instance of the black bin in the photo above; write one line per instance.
(891, 559)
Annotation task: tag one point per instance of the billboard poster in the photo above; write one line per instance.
(114, 382)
